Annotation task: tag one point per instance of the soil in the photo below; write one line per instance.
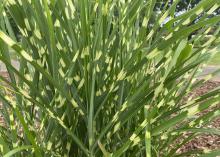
(204, 142)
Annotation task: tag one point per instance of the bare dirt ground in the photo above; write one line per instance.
(204, 142)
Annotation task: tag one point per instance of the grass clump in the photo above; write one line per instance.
(103, 78)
